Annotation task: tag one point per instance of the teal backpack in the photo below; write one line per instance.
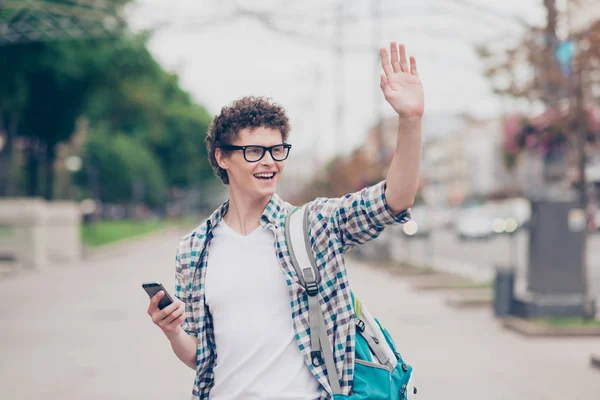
(380, 373)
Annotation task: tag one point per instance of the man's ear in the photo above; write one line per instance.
(221, 158)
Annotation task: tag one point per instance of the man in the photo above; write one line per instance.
(241, 316)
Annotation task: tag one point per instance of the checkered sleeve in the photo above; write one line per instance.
(361, 216)
(183, 290)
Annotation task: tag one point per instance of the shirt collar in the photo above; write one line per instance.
(273, 212)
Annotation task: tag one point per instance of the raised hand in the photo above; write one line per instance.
(400, 85)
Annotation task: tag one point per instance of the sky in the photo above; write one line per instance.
(221, 55)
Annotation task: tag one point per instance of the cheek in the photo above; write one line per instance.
(241, 171)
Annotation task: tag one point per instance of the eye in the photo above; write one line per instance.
(278, 150)
(254, 150)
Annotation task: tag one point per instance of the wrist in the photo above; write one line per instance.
(410, 119)
(173, 336)
(409, 125)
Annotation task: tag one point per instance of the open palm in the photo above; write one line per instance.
(400, 85)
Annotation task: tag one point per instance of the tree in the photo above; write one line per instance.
(118, 86)
(560, 72)
(122, 168)
(46, 85)
(13, 95)
(552, 70)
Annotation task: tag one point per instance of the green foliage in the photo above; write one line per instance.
(144, 101)
(143, 125)
(104, 232)
(120, 163)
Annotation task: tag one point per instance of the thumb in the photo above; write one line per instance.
(383, 83)
(156, 298)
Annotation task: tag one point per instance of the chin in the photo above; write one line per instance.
(267, 190)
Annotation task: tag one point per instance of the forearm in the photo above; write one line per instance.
(185, 347)
(402, 181)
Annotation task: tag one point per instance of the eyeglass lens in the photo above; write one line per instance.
(255, 153)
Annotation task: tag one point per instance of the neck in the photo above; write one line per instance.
(243, 214)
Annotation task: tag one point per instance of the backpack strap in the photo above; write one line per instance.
(298, 243)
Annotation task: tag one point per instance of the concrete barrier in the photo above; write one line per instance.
(36, 233)
(63, 227)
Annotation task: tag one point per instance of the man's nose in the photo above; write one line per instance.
(267, 159)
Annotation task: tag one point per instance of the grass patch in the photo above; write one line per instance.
(423, 269)
(403, 267)
(105, 232)
(6, 231)
(468, 285)
(188, 222)
(569, 321)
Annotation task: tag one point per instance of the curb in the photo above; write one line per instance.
(469, 303)
(533, 329)
(409, 271)
(399, 268)
(475, 299)
(440, 281)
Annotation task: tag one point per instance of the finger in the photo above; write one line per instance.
(403, 61)
(174, 316)
(156, 298)
(385, 62)
(167, 311)
(153, 306)
(383, 84)
(394, 57)
(413, 66)
(164, 321)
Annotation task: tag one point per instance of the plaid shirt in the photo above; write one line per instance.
(335, 225)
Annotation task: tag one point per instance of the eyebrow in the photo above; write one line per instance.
(254, 144)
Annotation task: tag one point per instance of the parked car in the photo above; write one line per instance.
(474, 223)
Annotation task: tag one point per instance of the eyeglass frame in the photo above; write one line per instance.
(231, 147)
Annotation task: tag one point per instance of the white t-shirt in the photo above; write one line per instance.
(246, 292)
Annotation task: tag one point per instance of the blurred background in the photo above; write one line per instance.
(105, 104)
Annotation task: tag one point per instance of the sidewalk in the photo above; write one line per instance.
(466, 355)
(81, 332)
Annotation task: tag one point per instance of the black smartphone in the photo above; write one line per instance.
(154, 287)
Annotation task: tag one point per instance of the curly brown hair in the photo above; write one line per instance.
(248, 112)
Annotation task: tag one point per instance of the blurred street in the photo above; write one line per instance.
(124, 121)
(479, 258)
(81, 332)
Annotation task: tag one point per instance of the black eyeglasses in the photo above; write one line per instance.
(254, 153)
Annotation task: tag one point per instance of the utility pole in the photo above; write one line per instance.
(376, 36)
(377, 112)
(338, 77)
(578, 112)
(316, 113)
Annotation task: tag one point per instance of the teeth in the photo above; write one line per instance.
(269, 175)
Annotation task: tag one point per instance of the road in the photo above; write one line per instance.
(81, 332)
(480, 258)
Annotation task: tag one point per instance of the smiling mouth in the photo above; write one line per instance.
(265, 176)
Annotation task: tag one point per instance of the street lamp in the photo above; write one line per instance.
(72, 163)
